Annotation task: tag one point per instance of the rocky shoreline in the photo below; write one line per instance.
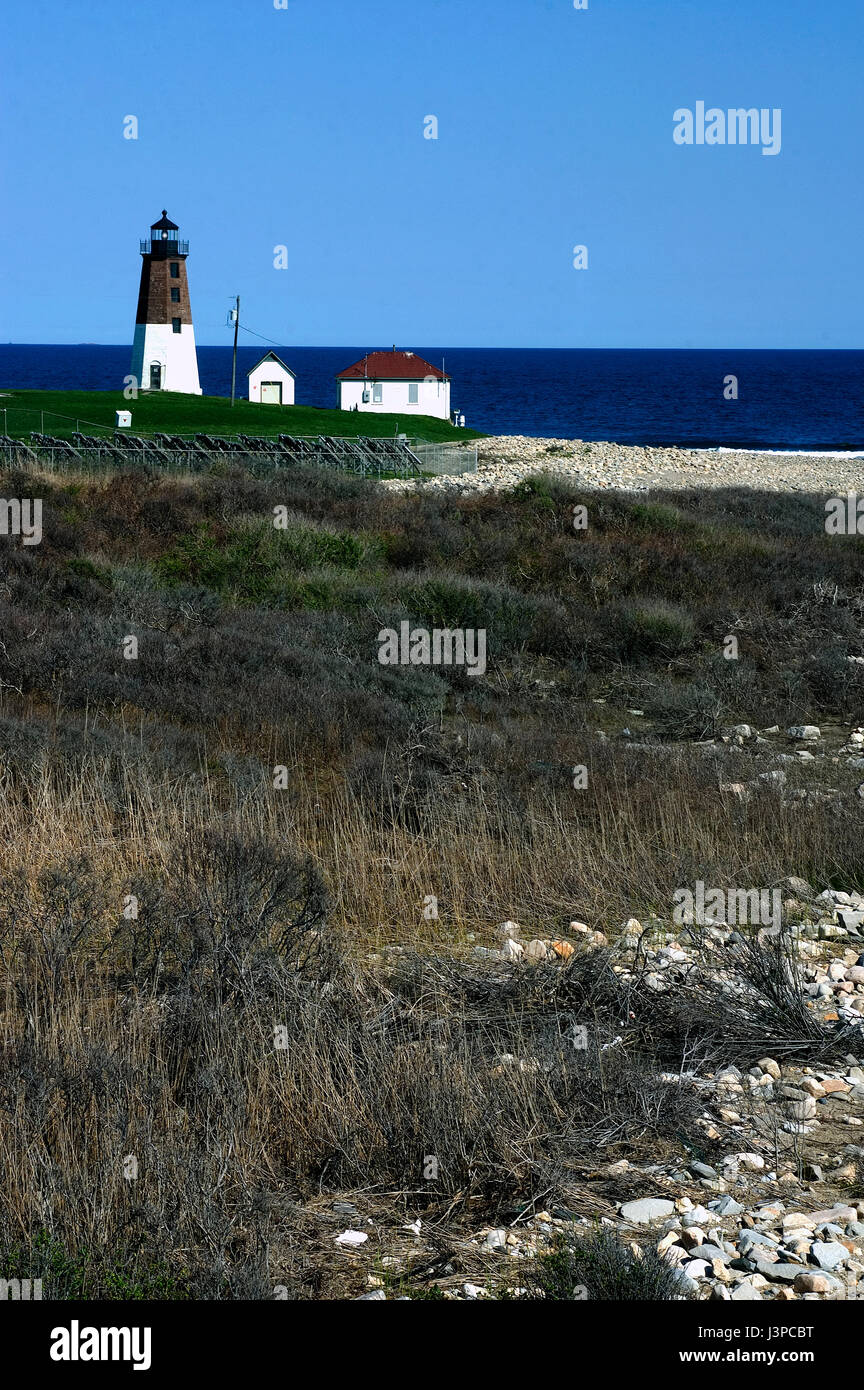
(506, 460)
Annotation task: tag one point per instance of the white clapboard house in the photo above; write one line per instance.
(398, 383)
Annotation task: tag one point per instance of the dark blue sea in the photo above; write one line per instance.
(786, 399)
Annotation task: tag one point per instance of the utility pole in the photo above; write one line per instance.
(236, 316)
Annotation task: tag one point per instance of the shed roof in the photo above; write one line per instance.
(271, 357)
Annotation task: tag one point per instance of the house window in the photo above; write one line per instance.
(175, 296)
(377, 393)
(175, 324)
(175, 270)
(413, 393)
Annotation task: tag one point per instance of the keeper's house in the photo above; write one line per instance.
(271, 382)
(398, 383)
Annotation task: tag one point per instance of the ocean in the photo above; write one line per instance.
(787, 400)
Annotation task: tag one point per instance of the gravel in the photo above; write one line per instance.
(505, 460)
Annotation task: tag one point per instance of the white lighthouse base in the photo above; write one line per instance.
(157, 345)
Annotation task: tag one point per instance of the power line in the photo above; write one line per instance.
(261, 336)
(234, 317)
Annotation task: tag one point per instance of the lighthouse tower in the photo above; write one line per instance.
(163, 354)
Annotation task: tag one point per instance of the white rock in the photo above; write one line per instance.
(812, 1087)
(351, 1238)
(537, 951)
(512, 950)
(801, 1109)
(745, 1293)
(616, 1169)
(508, 931)
(829, 1254)
(647, 1210)
(496, 1240)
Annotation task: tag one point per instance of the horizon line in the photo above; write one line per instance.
(463, 347)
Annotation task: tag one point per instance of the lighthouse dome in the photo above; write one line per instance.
(164, 224)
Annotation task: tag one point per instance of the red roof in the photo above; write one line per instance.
(391, 366)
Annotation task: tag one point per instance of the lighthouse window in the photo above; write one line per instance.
(175, 296)
(175, 270)
(413, 393)
(175, 324)
(377, 393)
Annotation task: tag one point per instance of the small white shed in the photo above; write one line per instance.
(271, 382)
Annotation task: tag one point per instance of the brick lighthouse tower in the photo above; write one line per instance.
(163, 354)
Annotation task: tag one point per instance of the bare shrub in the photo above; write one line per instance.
(600, 1267)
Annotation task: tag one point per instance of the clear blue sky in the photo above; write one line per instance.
(304, 127)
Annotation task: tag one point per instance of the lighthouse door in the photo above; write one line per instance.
(271, 392)
(155, 376)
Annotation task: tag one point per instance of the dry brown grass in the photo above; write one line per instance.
(647, 824)
(304, 908)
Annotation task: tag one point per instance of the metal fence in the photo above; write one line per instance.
(369, 456)
(445, 458)
(366, 456)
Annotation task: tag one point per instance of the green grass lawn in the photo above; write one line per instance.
(92, 412)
